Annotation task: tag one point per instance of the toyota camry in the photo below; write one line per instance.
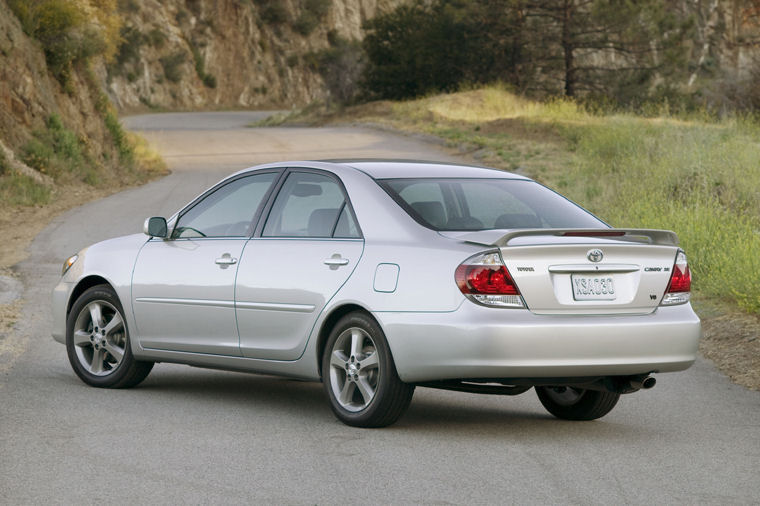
(375, 277)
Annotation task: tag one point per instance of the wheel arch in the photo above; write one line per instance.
(332, 319)
(83, 285)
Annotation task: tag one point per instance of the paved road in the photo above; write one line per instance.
(189, 435)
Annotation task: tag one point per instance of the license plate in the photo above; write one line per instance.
(593, 287)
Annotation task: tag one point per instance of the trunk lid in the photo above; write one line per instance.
(574, 271)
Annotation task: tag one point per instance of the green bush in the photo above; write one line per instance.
(172, 65)
(129, 50)
(58, 152)
(200, 68)
(209, 81)
(341, 68)
(4, 166)
(119, 136)
(272, 11)
(312, 13)
(424, 47)
(157, 38)
(65, 32)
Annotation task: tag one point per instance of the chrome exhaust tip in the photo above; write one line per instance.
(644, 383)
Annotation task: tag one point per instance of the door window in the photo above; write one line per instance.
(310, 205)
(228, 211)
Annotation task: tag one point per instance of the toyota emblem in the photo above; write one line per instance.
(595, 255)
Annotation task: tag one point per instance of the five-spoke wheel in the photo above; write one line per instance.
(99, 338)
(97, 341)
(359, 375)
(354, 371)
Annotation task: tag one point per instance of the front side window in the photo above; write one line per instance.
(228, 211)
(310, 205)
(486, 204)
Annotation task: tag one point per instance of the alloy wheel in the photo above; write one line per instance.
(354, 369)
(99, 338)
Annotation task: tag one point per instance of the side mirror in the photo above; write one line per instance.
(155, 227)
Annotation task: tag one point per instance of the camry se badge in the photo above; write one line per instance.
(595, 255)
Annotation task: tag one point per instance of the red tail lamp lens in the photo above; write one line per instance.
(680, 280)
(485, 279)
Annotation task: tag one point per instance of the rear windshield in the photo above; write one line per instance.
(486, 204)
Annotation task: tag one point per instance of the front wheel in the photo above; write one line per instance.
(571, 403)
(97, 341)
(359, 375)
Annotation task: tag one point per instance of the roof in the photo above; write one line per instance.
(390, 169)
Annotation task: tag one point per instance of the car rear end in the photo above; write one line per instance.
(546, 311)
(559, 299)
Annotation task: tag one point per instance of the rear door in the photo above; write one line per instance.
(305, 251)
(183, 287)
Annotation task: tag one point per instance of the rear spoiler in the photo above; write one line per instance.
(644, 236)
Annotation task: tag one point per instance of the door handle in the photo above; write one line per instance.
(336, 261)
(226, 259)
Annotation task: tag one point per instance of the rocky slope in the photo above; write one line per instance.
(190, 54)
(29, 94)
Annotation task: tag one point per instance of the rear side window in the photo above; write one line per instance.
(310, 205)
(486, 204)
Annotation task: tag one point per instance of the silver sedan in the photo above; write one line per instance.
(375, 277)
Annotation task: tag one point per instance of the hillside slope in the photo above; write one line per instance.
(190, 54)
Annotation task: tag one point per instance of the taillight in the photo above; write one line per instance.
(679, 289)
(484, 279)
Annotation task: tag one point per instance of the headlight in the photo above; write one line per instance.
(68, 263)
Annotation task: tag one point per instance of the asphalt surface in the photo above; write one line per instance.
(189, 435)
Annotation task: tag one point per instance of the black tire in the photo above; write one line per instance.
(571, 403)
(94, 347)
(347, 384)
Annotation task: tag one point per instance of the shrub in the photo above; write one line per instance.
(200, 68)
(341, 67)
(156, 38)
(430, 46)
(312, 13)
(209, 81)
(4, 166)
(58, 151)
(272, 11)
(119, 136)
(68, 32)
(172, 65)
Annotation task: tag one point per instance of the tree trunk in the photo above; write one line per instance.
(568, 47)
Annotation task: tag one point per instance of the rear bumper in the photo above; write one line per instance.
(476, 342)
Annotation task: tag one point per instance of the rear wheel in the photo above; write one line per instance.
(359, 375)
(97, 341)
(571, 403)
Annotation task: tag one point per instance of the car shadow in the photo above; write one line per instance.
(430, 411)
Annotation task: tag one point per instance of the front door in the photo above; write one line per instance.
(183, 288)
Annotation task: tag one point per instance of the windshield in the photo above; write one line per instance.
(486, 204)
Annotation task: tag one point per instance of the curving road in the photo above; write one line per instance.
(188, 435)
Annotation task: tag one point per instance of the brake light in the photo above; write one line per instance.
(679, 288)
(484, 279)
(585, 233)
